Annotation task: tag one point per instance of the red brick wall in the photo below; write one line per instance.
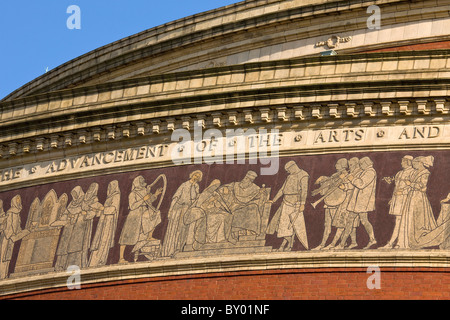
(416, 47)
(295, 284)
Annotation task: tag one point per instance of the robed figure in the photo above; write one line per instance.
(288, 219)
(210, 218)
(103, 239)
(80, 239)
(143, 217)
(182, 200)
(400, 195)
(244, 201)
(11, 232)
(418, 228)
(67, 220)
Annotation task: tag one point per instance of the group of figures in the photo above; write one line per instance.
(349, 197)
(231, 215)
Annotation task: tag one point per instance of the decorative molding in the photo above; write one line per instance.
(333, 42)
(328, 111)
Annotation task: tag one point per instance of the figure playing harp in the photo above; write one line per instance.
(143, 217)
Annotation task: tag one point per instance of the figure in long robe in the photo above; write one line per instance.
(177, 231)
(418, 220)
(67, 220)
(243, 200)
(11, 233)
(210, 218)
(80, 239)
(143, 217)
(103, 239)
(399, 197)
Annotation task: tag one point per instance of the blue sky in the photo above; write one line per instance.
(34, 34)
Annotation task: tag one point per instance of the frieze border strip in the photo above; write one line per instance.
(258, 262)
(305, 113)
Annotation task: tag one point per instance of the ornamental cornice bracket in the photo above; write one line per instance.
(333, 42)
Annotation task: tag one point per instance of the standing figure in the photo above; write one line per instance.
(333, 197)
(67, 220)
(289, 219)
(182, 200)
(103, 240)
(11, 232)
(400, 195)
(362, 201)
(143, 217)
(417, 220)
(80, 239)
(340, 217)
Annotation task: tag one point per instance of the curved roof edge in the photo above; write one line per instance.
(203, 31)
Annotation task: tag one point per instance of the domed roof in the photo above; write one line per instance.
(248, 31)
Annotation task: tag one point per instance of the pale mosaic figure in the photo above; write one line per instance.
(335, 199)
(177, 231)
(444, 218)
(289, 219)
(362, 201)
(244, 201)
(210, 218)
(11, 232)
(228, 218)
(66, 220)
(418, 227)
(400, 194)
(80, 239)
(103, 239)
(142, 219)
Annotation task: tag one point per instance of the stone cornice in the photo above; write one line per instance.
(372, 87)
(399, 65)
(256, 262)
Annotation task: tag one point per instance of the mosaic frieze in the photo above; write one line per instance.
(357, 201)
